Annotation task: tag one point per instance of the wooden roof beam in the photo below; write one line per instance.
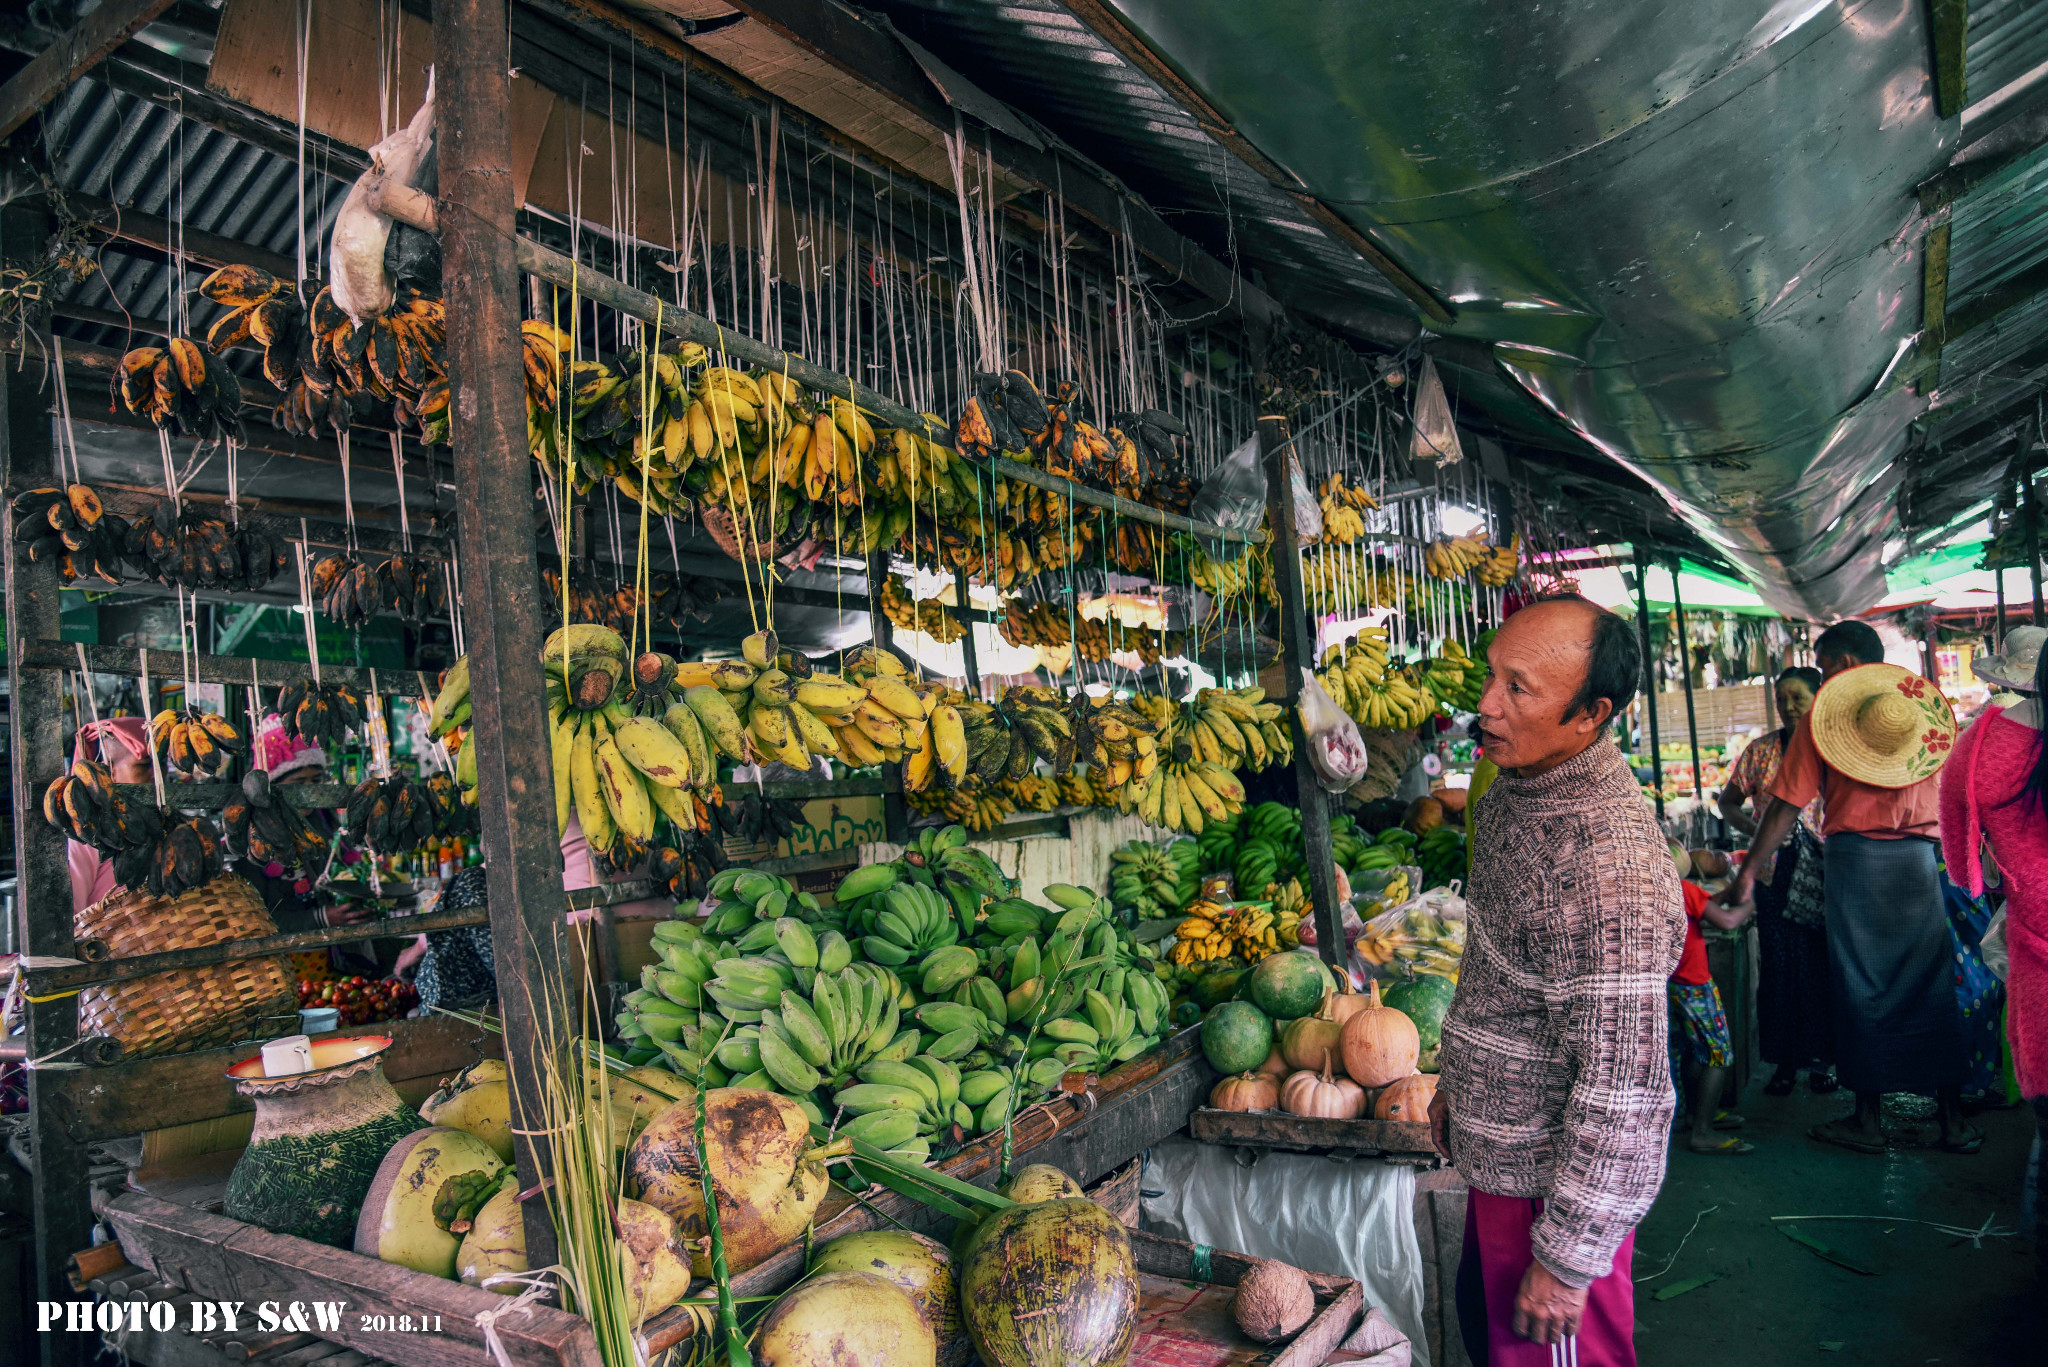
(77, 51)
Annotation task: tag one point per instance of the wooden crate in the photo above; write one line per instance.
(1303, 1134)
(1088, 1134)
(1184, 1310)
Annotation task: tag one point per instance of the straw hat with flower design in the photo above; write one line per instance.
(1883, 725)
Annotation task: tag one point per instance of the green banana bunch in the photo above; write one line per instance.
(1145, 880)
(748, 898)
(914, 920)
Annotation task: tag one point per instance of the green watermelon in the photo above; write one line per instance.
(1424, 1001)
(1288, 985)
(1237, 1037)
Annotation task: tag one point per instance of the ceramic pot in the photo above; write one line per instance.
(318, 1141)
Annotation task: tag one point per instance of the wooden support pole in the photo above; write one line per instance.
(967, 658)
(494, 488)
(1297, 652)
(1649, 676)
(60, 1205)
(2033, 511)
(1692, 721)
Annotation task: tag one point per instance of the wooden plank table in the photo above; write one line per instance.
(1304, 1134)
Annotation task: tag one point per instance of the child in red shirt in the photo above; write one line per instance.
(1700, 1047)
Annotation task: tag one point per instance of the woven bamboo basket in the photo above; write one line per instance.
(194, 1008)
(1118, 1192)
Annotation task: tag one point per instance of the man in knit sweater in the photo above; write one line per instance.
(1555, 1096)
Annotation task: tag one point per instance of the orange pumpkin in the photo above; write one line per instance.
(1323, 1096)
(1246, 1092)
(1275, 1065)
(1311, 1041)
(1406, 1099)
(1379, 1044)
(1346, 1001)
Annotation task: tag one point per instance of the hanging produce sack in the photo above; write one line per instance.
(1335, 746)
(1423, 935)
(191, 1008)
(1435, 436)
(1234, 496)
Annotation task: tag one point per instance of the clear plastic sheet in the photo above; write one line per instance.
(1346, 1219)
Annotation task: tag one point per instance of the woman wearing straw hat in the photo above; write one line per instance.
(1873, 748)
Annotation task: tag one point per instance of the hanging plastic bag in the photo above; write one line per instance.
(1435, 437)
(1335, 746)
(1234, 494)
(1308, 512)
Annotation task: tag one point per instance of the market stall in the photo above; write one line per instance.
(684, 535)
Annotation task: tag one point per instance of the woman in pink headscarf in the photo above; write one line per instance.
(122, 744)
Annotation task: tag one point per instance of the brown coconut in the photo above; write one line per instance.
(768, 1176)
(1273, 1301)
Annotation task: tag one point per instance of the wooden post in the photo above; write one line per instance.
(1692, 721)
(60, 1206)
(1297, 652)
(1998, 584)
(2033, 508)
(967, 658)
(1649, 676)
(500, 579)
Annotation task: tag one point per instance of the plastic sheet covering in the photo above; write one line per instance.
(1345, 1219)
(1687, 230)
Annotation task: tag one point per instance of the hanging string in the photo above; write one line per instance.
(255, 719)
(348, 498)
(70, 440)
(404, 516)
(306, 603)
(156, 764)
(85, 677)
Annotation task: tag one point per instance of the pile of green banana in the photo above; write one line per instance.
(930, 898)
(983, 1006)
(1147, 881)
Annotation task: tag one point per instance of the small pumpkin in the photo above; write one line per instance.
(1275, 1065)
(1322, 1096)
(1424, 815)
(1378, 1043)
(1406, 1099)
(1311, 1041)
(1347, 1001)
(1255, 1091)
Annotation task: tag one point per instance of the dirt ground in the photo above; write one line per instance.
(1930, 1297)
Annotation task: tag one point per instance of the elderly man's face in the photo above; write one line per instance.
(1539, 661)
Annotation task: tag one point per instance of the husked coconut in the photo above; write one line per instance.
(768, 1176)
(496, 1242)
(1273, 1301)
(923, 1267)
(477, 1100)
(653, 1259)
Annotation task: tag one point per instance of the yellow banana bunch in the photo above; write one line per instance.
(1501, 564)
(1343, 505)
(929, 616)
(1456, 557)
(1032, 793)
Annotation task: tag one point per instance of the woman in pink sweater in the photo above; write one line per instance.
(1994, 791)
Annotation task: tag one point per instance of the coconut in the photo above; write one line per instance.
(427, 1193)
(1273, 1301)
(845, 1317)
(768, 1177)
(652, 1258)
(919, 1265)
(477, 1099)
(1037, 1182)
(496, 1242)
(1052, 1283)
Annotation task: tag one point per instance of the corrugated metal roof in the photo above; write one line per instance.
(139, 155)
(2006, 40)
(1040, 59)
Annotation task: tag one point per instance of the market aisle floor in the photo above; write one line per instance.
(1932, 1299)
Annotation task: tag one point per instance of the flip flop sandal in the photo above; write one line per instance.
(1821, 1083)
(1832, 1133)
(1727, 1120)
(1781, 1085)
(1727, 1147)
(1967, 1139)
